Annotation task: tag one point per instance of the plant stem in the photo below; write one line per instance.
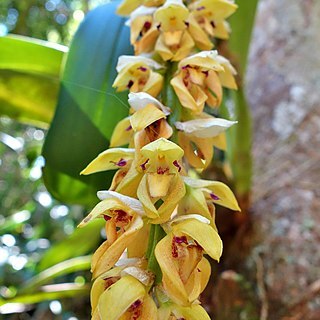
(156, 234)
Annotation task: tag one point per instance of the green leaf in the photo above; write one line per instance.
(60, 269)
(88, 108)
(29, 78)
(240, 136)
(50, 292)
(80, 242)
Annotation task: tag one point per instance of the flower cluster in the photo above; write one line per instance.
(159, 221)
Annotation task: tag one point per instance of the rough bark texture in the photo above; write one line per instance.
(283, 88)
(278, 278)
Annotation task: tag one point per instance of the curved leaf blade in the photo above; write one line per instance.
(88, 107)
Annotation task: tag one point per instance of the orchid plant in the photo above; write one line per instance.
(159, 217)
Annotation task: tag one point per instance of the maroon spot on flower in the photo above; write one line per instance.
(179, 240)
(212, 24)
(143, 69)
(129, 128)
(174, 249)
(185, 67)
(147, 25)
(120, 163)
(135, 305)
(206, 73)
(187, 23)
(143, 166)
(107, 218)
(176, 164)
(161, 170)
(159, 26)
(130, 84)
(122, 216)
(213, 196)
(201, 8)
(198, 270)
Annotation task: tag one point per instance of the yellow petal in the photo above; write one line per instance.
(108, 255)
(216, 93)
(110, 159)
(145, 199)
(175, 194)
(129, 184)
(154, 84)
(194, 102)
(97, 289)
(170, 275)
(159, 184)
(221, 30)
(144, 117)
(205, 270)
(227, 76)
(219, 189)
(217, 10)
(162, 148)
(161, 48)
(147, 42)
(199, 36)
(194, 201)
(172, 15)
(127, 6)
(138, 20)
(186, 45)
(149, 309)
(220, 141)
(122, 133)
(203, 233)
(137, 249)
(207, 60)
(119, 297)
(101, 208)
(194, 312)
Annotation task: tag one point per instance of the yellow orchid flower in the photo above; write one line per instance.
(214, 192)
(123, 222)
(121, 296)
(135, 73)
(197, 137)
(210, 15)
(149, 114)
(197, 81)
(161, 181)
(180, 255)
(143, 29)
(174, 42)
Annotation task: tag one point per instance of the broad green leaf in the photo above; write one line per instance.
(29, 78)
(60, 269)
(88, 108)
(240, 136)
(80, 242)
(50, 292)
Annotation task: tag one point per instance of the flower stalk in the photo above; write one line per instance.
(159, 221)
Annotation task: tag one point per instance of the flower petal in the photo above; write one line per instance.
(146, 116)
(124, 61)
(119, 297)
(110, 159)
(122, 133)
(139, 100)
(107, 255)
(205, 128)
(194, 312)
(171, 278)
(131, 203)
(219, 189)
(127, 6)
(203, 233)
